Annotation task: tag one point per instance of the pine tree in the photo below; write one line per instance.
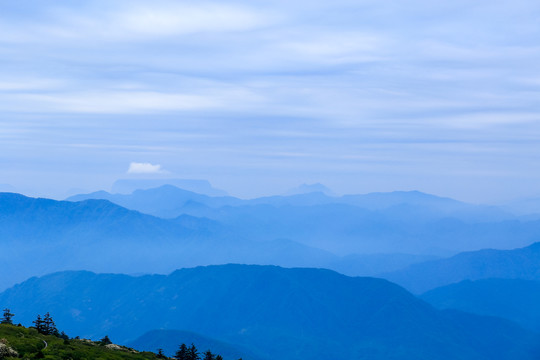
(38, 324)
(193, 354)
(219, 357)
(208, 355)
(7, 317)
(49, 327)
(182, 353)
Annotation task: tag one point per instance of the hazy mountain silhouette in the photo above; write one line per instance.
(512, 299)
(40, 236)
(310, 188)
(524, 206)
(165, 201)
(127, 186)
(523, 263)
(406, 222)
(279, 313)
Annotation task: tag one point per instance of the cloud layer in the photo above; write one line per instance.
(260, 96)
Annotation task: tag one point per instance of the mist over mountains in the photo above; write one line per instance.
(127, 186)
(513, 299)
(270, 180)
(413, 222)
(521, 263)
(161, 229)
(299, 309)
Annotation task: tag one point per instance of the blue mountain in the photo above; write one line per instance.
(40, 236)
(275, 312)
(310, 188)
(522, 263)
(405, 222)
(127, 186)
(512, 299)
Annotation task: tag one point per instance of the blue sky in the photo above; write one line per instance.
(260, 96)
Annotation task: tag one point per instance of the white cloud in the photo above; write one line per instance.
(144, 168)
(134, 20)
(176, 19)
(338, 47)
(25, 84)
(123, 102)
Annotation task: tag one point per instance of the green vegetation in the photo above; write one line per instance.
(27, 343)
(45, 326)
(44, 341)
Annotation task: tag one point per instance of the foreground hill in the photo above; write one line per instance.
(168, 340)
(514, 299)
(28, 343)
(523, 263)
(278, 313)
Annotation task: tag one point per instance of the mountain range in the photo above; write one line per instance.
(273, 312)
(522, 263)
(513, 299)
(40, 236)
(483, 302)
(354, 234)
(405, 222)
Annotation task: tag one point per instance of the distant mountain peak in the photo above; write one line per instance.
(128, 186)
(310, 188)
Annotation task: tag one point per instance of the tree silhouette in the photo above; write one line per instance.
(193, 354)
(49, 326)
(38, 324)
(46, 326)
(7, 317)
(208, 355)
(182, 353)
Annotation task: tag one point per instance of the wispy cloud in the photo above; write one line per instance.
(229, 83)
(133, 21)
(126, 102)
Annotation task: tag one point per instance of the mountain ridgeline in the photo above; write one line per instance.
(512, 299)
(523, 263)
(408, 222)
(161, 229)
(274, 313)
(256, 312)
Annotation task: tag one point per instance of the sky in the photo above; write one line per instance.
(260, 96)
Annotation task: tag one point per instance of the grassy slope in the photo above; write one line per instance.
(28, 343)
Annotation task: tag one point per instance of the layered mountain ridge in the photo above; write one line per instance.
(274, 312)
